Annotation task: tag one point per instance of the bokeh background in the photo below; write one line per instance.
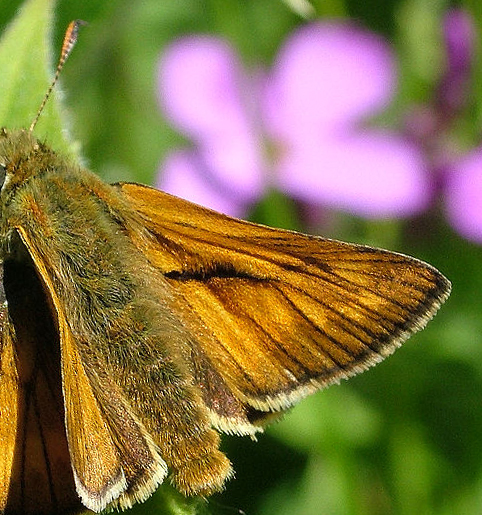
(405, 437)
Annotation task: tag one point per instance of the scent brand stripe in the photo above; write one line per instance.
(334, 277)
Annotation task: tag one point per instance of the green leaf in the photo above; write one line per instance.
(26, 62)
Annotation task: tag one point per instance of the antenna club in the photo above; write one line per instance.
(70, 38)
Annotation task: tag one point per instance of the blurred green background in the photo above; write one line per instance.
(403, 438)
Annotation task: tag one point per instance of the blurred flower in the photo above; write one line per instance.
(301, 126)
(464, 176)
(459, 35)
(459, 179)
(464, 196)
(298, 128)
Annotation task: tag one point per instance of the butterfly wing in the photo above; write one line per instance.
(106, 448)
(35, 472)
(280, 314)
(9, 390)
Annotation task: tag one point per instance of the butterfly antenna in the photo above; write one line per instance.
(70, 39)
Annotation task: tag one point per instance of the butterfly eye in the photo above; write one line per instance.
(3, 172)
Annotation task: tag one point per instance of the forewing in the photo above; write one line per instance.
(280, 314)
(112, 457)
(35, 472)
(9, 393)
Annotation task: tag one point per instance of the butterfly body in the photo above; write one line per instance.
(136, 326)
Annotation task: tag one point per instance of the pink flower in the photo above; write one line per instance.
(301, 127)
(459, 177)
(464, 196)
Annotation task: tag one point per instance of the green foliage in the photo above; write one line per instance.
(25, 55)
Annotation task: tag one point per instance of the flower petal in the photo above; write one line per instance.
(464, 196)
(328, 75)
(201, 88)
(460, 41)
(236, 164)
(180, 175)
(200, 84)
(373, 174)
